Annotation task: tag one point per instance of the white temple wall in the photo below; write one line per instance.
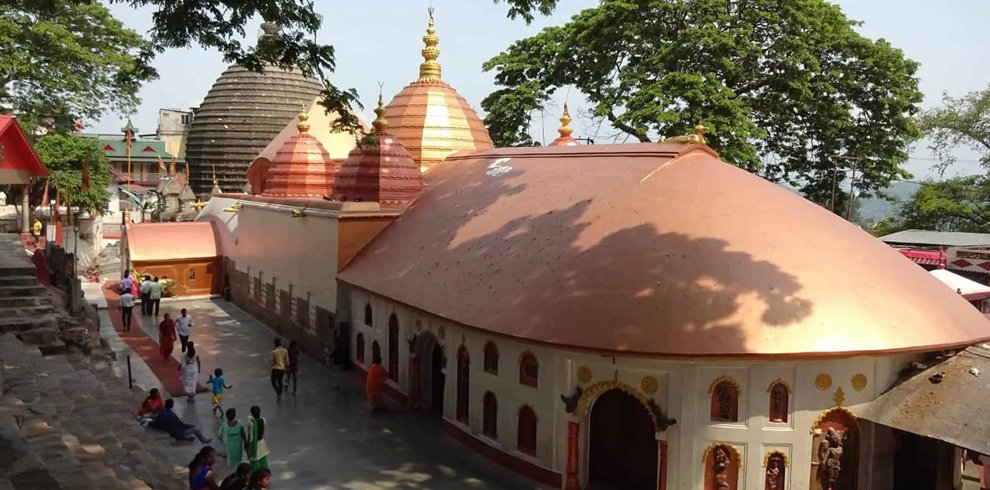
(294, 252)
(682, 392)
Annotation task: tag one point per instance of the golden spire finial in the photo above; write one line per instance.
(565, 123)
(303, 125)
(430, 68)
(380, 123)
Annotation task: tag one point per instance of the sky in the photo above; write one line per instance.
(380, 41)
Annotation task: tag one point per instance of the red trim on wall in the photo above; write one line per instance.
(510, 461)
(390, 390)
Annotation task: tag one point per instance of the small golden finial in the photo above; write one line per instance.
(565, 123)
(214, 174)
(380, 123)
(303, 125)
(698, 137)
(430, 68)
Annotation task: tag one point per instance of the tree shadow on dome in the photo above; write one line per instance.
(568, 276)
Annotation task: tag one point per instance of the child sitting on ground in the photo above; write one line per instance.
(151, 406)
(218, 386)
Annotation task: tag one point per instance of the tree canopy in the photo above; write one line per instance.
(959, 122)
(784, 86)
(64, 156)
(67, 58)
(956, 204)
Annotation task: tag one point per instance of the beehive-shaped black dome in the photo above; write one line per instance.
(240, 115)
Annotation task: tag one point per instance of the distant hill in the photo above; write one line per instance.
(876, 209)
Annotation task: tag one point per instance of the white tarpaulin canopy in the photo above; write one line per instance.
(969, 289)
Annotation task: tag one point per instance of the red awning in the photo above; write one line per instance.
(925, 257)
(16, 152)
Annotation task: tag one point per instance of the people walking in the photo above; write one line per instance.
(155, 295)
(126, 307)
(36, 228)
(218, 384)
(182, 325)
(234, 436)
(190, 370)
(292, 372)
(126, 283)
(257, 431)
(145, 289)
(201, 474)
(166, 337)
(279, 362)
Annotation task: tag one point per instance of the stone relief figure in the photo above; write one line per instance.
(778, 403)
(723, 393)
(830, 460)
(775, 472)
(721, 462)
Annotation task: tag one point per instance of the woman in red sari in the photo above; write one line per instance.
(375, 384)
(166, 337)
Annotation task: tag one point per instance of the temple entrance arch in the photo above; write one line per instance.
(427, 361)
(622, 443)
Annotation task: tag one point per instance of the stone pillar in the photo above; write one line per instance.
(415, 381)
(26, 210)
(662, 464)
(573, 454)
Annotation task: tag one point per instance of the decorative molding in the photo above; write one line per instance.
(859, 381)
(649, 384)
(719, 380)
(840, 397)
(571, 402)
(584, 375)
(823, 382)
(594, 391)
(711, 447)
(779, 381)
(821, 417)
(766, 457)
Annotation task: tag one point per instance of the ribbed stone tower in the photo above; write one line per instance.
(240, 115)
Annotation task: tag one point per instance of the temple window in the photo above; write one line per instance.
(463, 384)
(779, 401)
(529, 370)
(376, 353)
(724, 393)
(359, 347)
(393, 347)
(526, 436)
(491, 358)
(367, 314)
(489, 421)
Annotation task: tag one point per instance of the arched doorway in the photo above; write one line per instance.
(622, 444)
(426, 377)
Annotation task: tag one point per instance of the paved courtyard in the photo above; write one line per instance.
(319, 439)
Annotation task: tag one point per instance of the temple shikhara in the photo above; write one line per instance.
(633, 316)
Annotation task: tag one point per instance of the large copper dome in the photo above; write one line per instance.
(239, 117)
(657, 249)
(301, 167)
(430, 119)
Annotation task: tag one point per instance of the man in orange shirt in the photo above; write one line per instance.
(280, 362)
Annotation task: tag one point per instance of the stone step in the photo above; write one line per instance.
(18, 301)
(18, 280)
(35, 290)
(17, 270)
(28, 311)
(20, 323)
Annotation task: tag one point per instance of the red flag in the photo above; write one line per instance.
(85, 175)
(44, 197)
(187, 171)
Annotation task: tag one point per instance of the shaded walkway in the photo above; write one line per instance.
(321, 439)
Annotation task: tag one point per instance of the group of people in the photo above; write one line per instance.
(285, 368)
(150, 290)
(243, 441)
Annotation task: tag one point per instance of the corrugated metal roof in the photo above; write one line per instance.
(928, 237)
(947, 401)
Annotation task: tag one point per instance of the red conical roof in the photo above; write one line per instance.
(301, 168)
(383, 171)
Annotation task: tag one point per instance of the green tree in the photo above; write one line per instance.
(64, 156)
(784, 86)
(67, 58)
(959, 122)
(957, 204)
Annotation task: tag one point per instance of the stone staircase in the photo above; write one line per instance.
(66, 422)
